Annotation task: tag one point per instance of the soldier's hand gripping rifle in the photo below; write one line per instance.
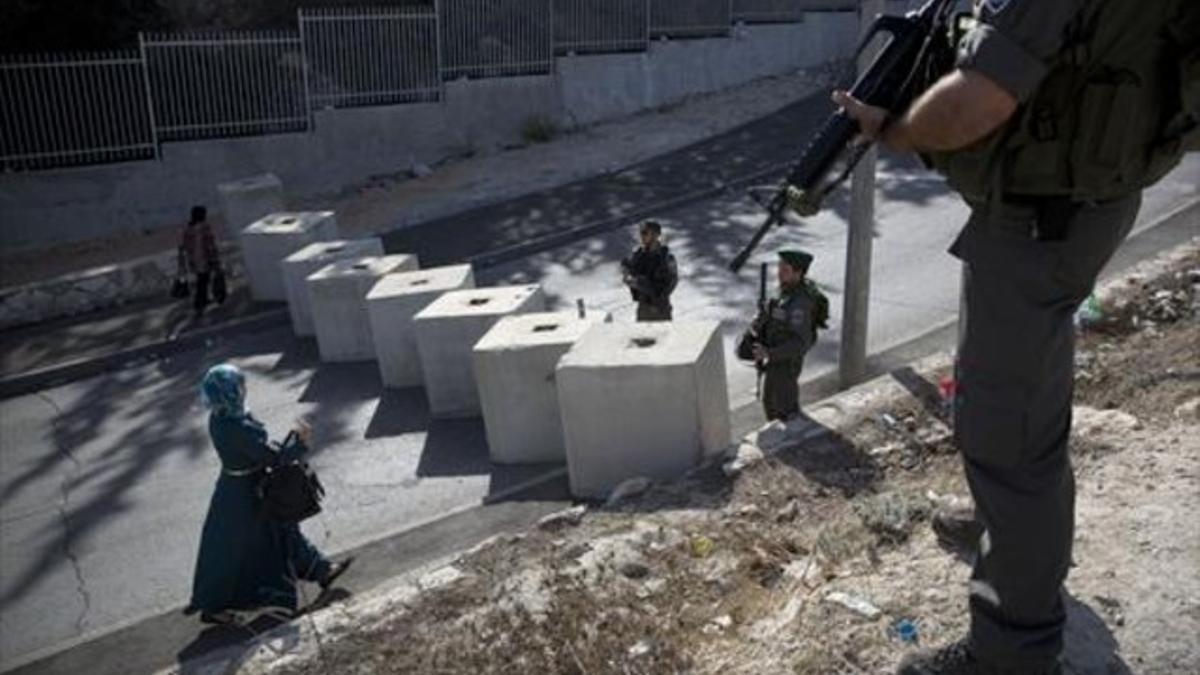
(915, 52)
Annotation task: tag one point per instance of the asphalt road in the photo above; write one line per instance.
(104, 482)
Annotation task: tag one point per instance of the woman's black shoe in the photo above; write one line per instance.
(221, 618)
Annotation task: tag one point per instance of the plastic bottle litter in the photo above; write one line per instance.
(947, 388)
(702, 546)
(1089, 313)
(860, 606)
(906, 631)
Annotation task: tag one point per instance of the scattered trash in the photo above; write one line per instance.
(718, 625)
(746, 455)
(947, 388)
(1167, 306)
(1111, 607)
(642, 648)
(561, 519)
(628, 489)
(1089, 313)
(885, 449)
(701, 546)
(855, 604)
(906, 631)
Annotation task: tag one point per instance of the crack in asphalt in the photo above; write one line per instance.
(64, 514)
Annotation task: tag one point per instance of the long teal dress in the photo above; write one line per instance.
(247, 560)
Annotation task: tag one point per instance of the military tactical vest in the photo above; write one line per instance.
(776, 329)
(1117, 110)
(820, 305)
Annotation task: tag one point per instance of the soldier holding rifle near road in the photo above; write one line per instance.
(783, 332)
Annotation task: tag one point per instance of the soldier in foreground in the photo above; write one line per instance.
(650, 274)
(1054, 119)
(783, 332)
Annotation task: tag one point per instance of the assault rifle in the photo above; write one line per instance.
(915, 54)
(753, 335)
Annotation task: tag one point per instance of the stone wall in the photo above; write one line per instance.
(99, 288)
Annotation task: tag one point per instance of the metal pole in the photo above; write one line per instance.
(441, 63)
(306, 64)
(852, 353)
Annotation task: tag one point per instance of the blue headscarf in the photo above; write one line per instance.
(224, 390)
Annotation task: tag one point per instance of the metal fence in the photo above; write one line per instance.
(209, 85)
(69, 109)
(767, 11)
(690, 18)
(829, 5)
(496, 38)
(593, 26)
(64, 110)
(359, 57)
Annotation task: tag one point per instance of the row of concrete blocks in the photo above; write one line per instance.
(613, 400)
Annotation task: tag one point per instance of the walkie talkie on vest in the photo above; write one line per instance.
(896, 75)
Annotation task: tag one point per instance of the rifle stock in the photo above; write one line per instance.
(887, 83)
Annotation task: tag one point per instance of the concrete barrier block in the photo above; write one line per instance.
(271, 239)
(448, 329)
(645, 399)
(514, 371)
(245, 201)
(392, 303)
(339, 304)
(297, 267)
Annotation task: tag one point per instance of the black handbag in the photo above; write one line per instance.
(219, 290)
(180, 288)
(290, 491)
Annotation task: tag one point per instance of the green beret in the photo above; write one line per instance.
(798, 260)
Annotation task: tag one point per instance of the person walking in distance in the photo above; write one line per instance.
(199, 256)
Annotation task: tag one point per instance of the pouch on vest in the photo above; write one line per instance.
(1116, 111)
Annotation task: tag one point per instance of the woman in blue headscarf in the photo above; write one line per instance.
(247, 560)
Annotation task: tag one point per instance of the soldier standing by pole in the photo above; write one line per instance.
(783, 332)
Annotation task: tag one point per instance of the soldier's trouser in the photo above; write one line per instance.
(647, 311)
(781, 391)
(1013, 411)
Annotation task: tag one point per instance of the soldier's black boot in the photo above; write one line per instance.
(957, 659)
(958, 531)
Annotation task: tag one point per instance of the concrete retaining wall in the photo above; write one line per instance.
(99, 288)
(601, 87)
(347, 146)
